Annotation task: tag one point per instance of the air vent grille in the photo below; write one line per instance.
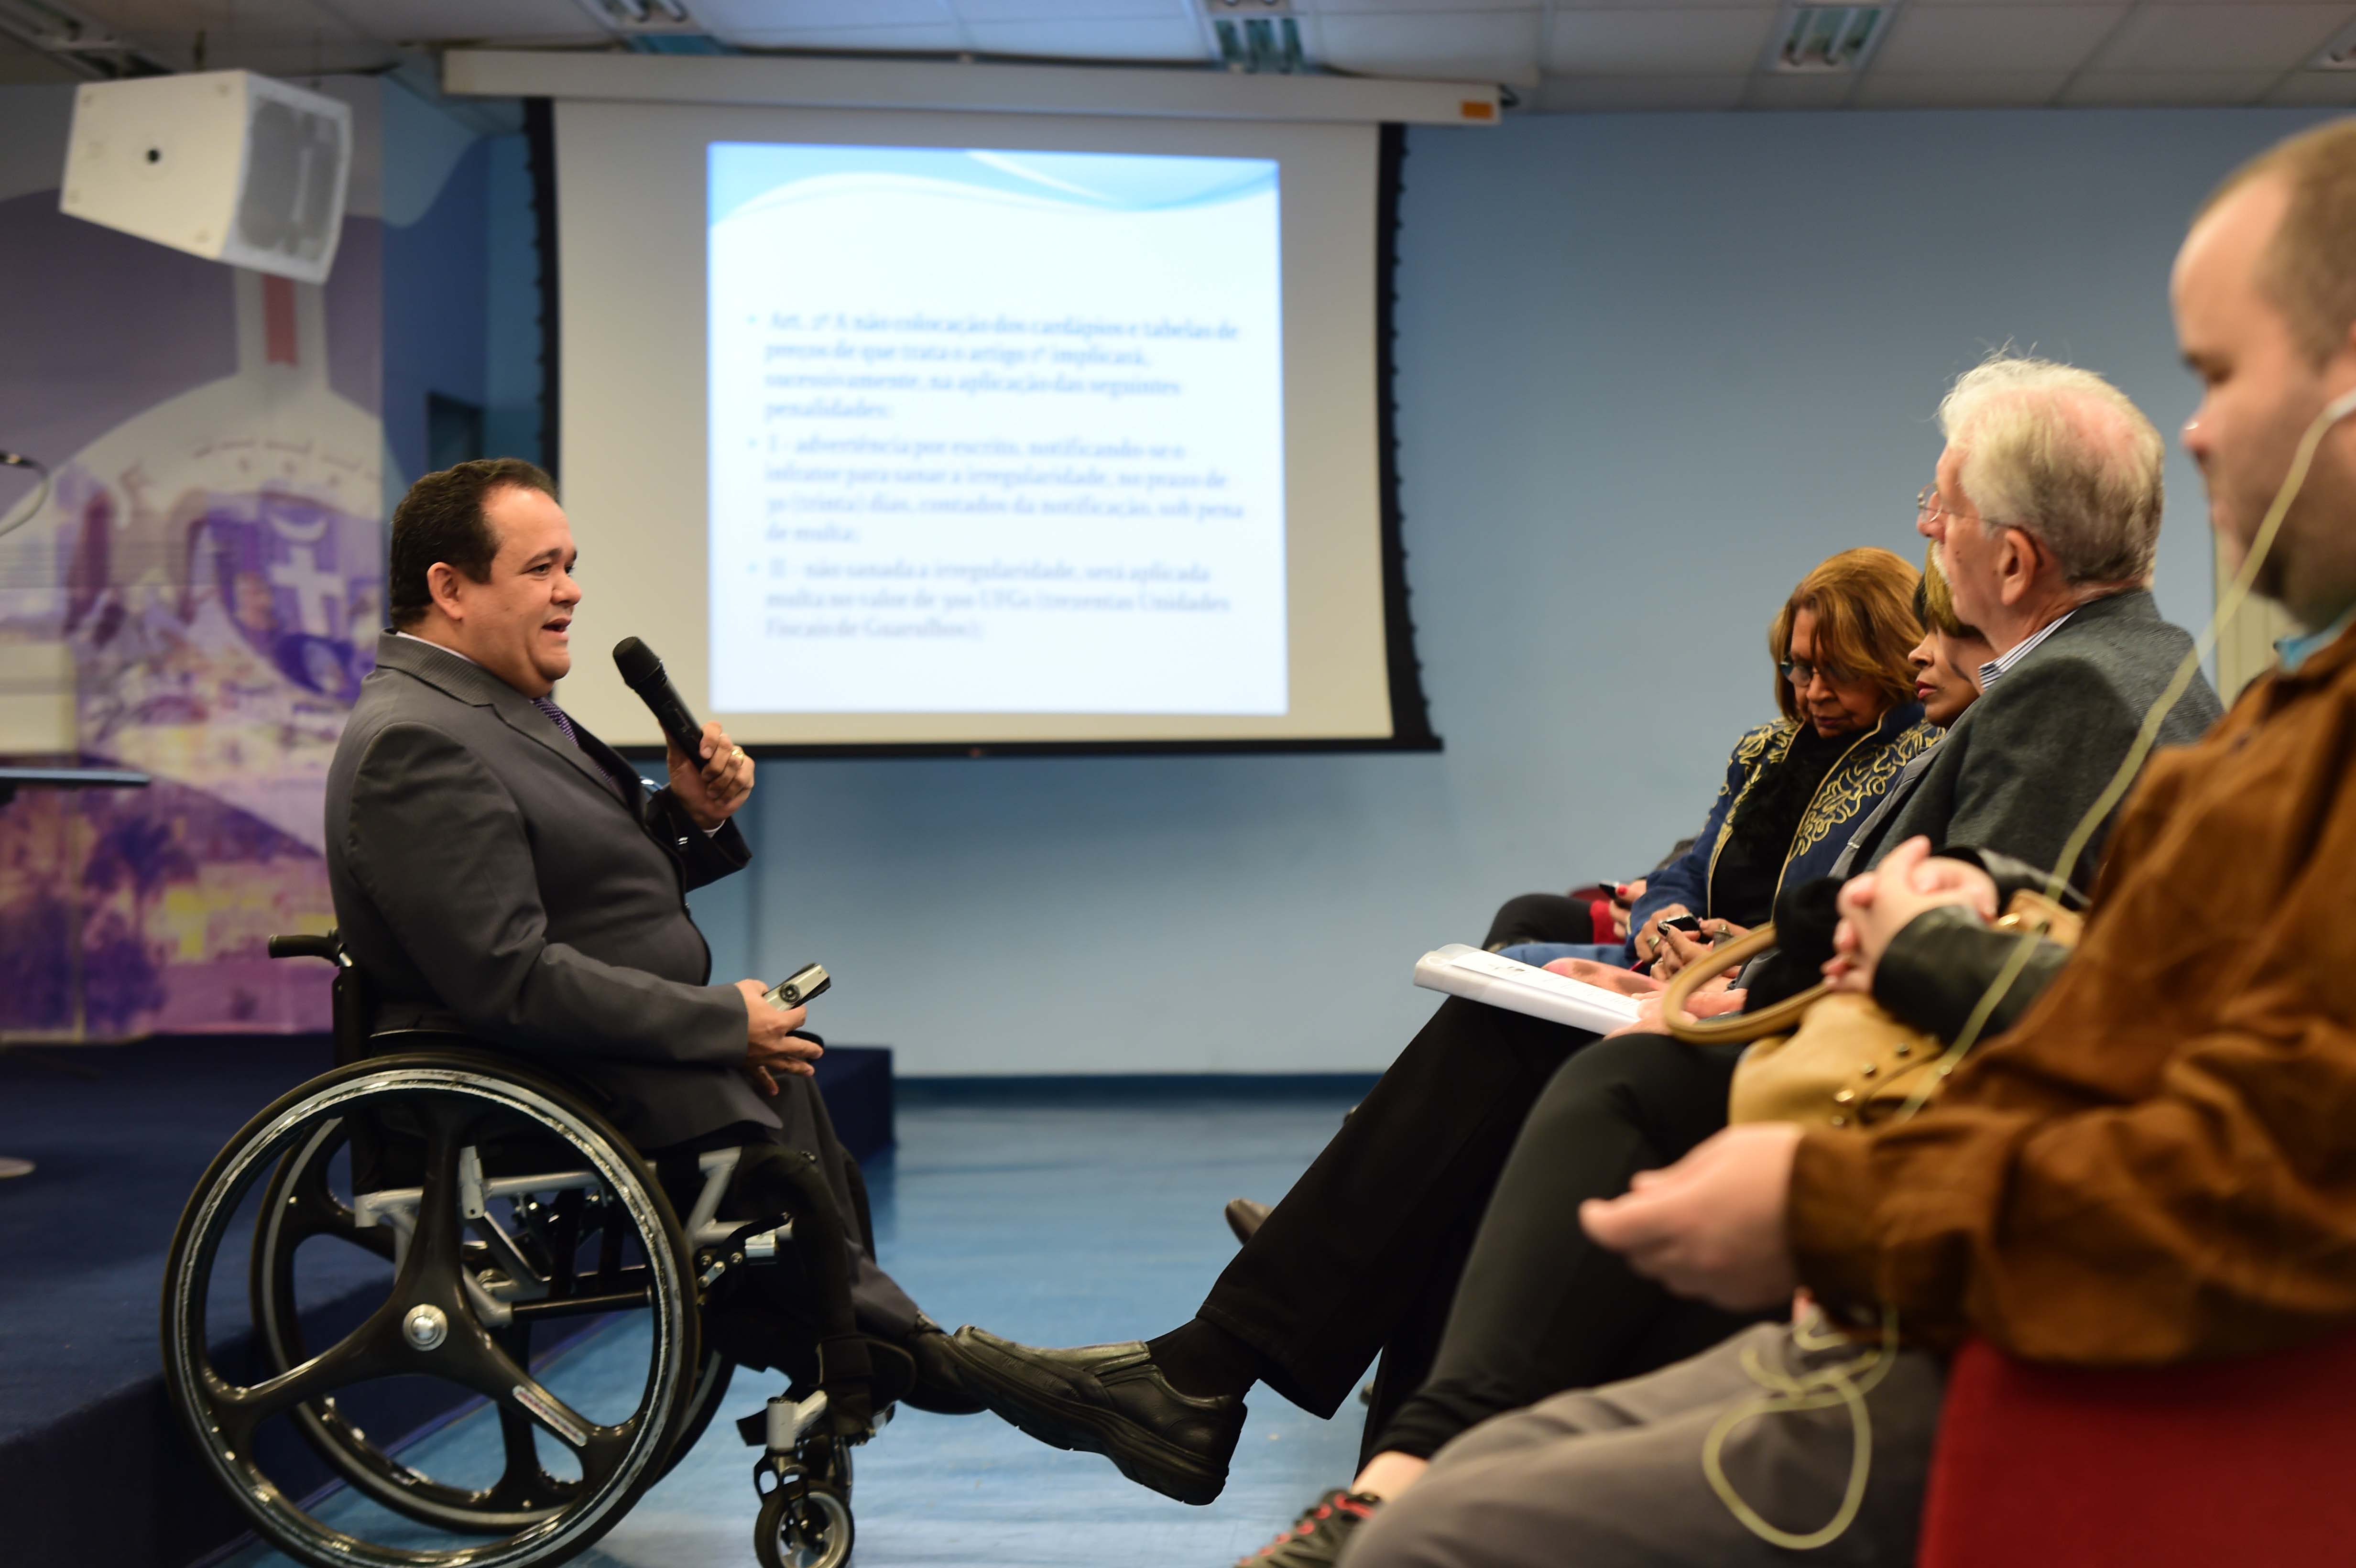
(1820, 39)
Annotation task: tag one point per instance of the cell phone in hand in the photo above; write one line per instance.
(1688, 923)
(798, 988)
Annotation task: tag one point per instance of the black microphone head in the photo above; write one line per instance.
(637, 662)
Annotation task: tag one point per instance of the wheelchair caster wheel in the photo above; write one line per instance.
(803, 1527)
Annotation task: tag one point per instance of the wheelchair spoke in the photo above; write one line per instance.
(313, 1209)
(436, 1242)
(362, 1355)
(522, 1400)
(524, 1482)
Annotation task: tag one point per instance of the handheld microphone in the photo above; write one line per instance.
(642, 672)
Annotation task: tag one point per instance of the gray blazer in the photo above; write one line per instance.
(489, 876)
(2028, 759)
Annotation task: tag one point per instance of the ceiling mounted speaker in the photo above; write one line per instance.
(225, 164)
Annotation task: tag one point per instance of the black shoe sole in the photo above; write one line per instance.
(1078, 1427)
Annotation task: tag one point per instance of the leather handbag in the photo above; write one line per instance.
(1831, 1058)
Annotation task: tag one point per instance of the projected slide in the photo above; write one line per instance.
(994, 432)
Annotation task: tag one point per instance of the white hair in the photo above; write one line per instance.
(2064, 454)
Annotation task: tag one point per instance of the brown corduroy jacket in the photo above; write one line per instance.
(2158, 1162)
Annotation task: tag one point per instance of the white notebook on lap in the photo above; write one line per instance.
(1518, 988)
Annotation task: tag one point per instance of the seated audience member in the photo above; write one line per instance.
(2059, 589)
(1541, 1308)
(1793, 788)
(1362, 1255)
(2051, 562)
(2146, 1165)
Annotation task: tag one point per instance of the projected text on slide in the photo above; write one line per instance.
(995, 431)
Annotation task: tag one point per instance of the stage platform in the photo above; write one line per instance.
(93, 1471)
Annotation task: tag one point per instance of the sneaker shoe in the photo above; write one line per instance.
(1317, 1537)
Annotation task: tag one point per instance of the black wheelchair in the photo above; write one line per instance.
(495, 1206)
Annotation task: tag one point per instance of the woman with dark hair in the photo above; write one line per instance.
(1794, 787)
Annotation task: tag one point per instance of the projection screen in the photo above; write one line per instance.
(913, 430)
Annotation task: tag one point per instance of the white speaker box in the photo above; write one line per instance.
(226, 164)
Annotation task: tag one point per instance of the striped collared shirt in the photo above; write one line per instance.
(1996, 668)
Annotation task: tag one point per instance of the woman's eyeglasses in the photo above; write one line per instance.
(1802, 674)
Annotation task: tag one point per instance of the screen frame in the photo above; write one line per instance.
(1410, 727)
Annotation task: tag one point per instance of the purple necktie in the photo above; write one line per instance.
(631, 786)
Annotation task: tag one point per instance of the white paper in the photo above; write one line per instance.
(1502, 982)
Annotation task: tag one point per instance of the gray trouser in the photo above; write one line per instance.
(1611, 1478)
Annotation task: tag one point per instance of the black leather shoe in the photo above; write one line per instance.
(1243, 1217)
(940, 1374)
(1109, 1399)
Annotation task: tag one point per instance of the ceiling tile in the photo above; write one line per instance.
(1648, 42)
(1466, 46)
(1995, 38)
(1883, 89)
(22, 67)
(439, 20)
(2316, 87)
(729, 18)
(1364, 7)
(1590, 94)
(1167, 39)
(1065, 10)
(935, 38)
(2168, 89)
(2215, 38)
(1799, 90)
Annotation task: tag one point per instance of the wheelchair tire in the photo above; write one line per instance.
(813, 1529)
(429, 1325)
(298, 1206)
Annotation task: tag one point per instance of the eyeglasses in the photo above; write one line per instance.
(1803, 674)
(1930, 504)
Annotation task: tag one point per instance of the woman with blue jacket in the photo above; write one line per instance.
(1794, 787)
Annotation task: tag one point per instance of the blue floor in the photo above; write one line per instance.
(1058, 1225)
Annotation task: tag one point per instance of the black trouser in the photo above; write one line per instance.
(1363, 1254)
(774, 1315)
(1541, 1309)
(1540, 917)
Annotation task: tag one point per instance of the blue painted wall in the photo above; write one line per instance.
(437, 272)
(1651, 368)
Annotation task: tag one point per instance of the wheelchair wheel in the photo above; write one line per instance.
(303, 1205)
(479, 1262)
(803, 1527)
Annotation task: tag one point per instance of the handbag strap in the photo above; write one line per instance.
(1780, 1018)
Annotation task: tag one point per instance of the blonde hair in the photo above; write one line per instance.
(2063, 456)
(2308, 270)
(1863, 601)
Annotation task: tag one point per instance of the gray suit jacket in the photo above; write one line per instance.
(2030, 758)
(489, 876)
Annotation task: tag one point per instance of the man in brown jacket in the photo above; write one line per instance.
(2153, 1164)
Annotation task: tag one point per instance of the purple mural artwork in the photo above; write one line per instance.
(200, 595)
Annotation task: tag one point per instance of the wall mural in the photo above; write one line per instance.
(208, 575)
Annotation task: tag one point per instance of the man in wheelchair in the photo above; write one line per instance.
(500, 873)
